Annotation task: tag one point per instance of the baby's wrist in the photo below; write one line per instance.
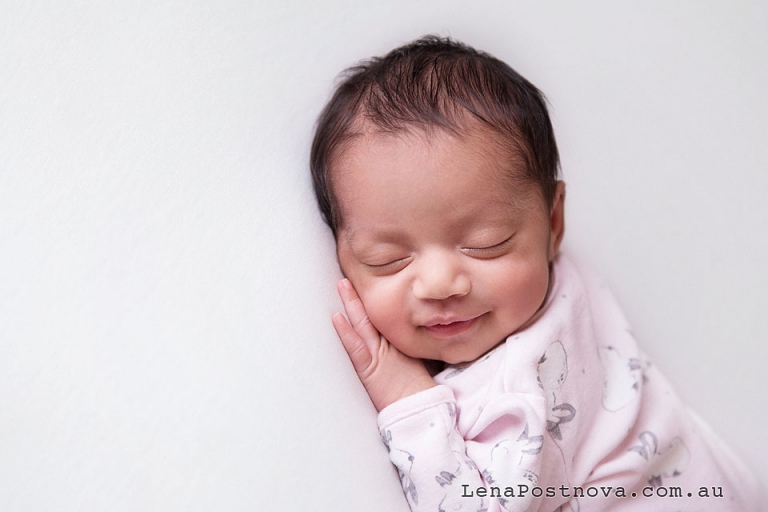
(415, 386)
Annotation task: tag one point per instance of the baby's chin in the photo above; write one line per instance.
(466, 361)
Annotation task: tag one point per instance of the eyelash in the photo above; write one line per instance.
(386, 266)
(491, 248)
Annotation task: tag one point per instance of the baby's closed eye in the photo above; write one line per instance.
(489, 249)
(388, 265)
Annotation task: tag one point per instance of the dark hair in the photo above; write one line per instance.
(435, 82)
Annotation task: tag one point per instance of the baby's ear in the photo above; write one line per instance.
(557, 220)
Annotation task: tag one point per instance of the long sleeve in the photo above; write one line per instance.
(439, 469)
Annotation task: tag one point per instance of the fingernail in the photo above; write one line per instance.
(346, 284)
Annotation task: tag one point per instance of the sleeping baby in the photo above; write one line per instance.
(505, 376)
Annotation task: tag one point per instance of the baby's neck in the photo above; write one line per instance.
(434, 367)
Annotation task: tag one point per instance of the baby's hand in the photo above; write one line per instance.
(387, 374)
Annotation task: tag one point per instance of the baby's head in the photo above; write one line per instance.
(436, 169)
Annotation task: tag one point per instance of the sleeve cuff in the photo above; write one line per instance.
(415, 404)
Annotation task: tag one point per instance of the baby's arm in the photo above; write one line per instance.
(387, 374)
(440, 470)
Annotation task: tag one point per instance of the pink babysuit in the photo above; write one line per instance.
(565, 415)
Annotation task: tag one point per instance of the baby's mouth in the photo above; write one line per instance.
(447, 328)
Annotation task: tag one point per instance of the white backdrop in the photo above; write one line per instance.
(166, 284)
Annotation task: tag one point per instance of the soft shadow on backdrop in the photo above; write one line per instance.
(166, 283)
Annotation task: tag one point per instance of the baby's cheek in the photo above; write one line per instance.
(378, 305)
(532, 288)
(522, 288)
(386, 311)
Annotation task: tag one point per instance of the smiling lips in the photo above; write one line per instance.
(448, 328)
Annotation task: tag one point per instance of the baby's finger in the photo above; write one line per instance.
(358, 318)
(358, 351)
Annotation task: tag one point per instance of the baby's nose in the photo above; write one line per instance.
(440, 277)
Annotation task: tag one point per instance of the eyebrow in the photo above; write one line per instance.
(385, 236)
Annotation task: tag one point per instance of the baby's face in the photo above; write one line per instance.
(446, 254)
